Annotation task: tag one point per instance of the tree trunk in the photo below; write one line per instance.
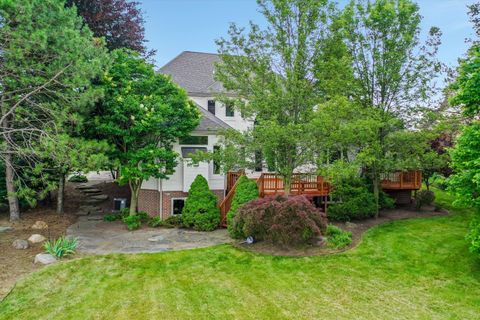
(376, 192)
(134, 190)
(61, 194)
(287, 185)
(11, 190)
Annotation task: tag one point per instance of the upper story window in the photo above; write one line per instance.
(211, 106)
(194, 140)
(229, 111)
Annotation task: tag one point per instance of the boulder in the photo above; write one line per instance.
(40, 225)
(36, 238)
(350, 225)
(20, 244)
(45, 258)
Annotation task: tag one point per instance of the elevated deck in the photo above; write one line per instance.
(270, 184)
(402, 180)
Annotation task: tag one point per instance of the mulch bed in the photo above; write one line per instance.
(358, 228)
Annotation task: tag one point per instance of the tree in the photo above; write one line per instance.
(465, 182)
(245, 191)
(393, 72)
(142, 114)
(47, 59)
(272, 72)
(64, 154)
(201, 211)
(120, 22)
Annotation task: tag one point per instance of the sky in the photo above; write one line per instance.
(173, 26)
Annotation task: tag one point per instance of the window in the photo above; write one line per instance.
(187, 152)
(216, 164)
(211, 106)
(229, 111)
(194, 140)
(177, 205)
(258, 161)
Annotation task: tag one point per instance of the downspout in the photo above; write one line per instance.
(160, 189)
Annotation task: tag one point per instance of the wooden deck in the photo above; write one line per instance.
(270, 184)
(402, 180)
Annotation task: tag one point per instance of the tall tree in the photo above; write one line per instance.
(47, 58)
(465, 181)
(274, 70)
(394, 71)
(120, 22)
(142, 114)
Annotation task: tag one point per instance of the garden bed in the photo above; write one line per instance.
(358, 228)
(16, 263)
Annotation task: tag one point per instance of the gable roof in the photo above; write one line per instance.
(210, 122)
(194, 71)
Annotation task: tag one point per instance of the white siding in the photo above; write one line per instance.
(236, 122)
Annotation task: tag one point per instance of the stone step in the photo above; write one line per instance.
(91, 190)
(91, 201)
(98, 197)
(83, 187)
(86, 210)
(95, 217)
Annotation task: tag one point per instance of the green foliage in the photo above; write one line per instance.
(276, 66)
(170, 222)
(200, 211)
(281, 220)
(246, 191)
(353, 201)
(337, 238)
(424, 197)
(132, 222)
(112, 217)
(142, 114)
(78, 178)
(61, 247)
(473, 236)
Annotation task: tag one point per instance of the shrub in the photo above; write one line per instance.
(144, 217)
(78, 178)
(424, 197)
(246, 190)
(170, 222)
(175, 220)
(281, 220)
(354, 200)
(61, 247)
(337, 238)
(200, 210)
(132, 222)
(112, 217)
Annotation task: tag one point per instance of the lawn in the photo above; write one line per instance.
(417, 269)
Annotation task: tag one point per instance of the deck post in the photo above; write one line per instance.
(325, 199)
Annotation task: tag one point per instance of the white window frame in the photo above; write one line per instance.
(171, 204)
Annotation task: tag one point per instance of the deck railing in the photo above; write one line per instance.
(401, 180)
(232, 181)
(309, 184)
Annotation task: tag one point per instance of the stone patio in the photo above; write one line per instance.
(99, 237)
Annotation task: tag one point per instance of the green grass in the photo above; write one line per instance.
(414, 269)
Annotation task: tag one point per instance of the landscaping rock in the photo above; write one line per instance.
(40, 225)
(99, 197)
(36, 238)
(20, 244)
(86, 210)
(156, 238)
(350, 225)
(4, 229)
(45, 258)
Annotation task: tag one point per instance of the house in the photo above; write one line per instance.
(194, 72)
